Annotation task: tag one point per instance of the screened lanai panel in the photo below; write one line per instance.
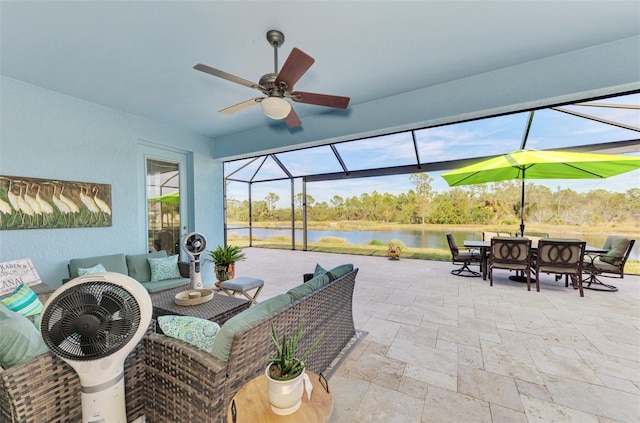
(485, 137)
(270, 170)
(310, 161)
(378, 152)
(554, 129)
(243, 169)
(262, 169)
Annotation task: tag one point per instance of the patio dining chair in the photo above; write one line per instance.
(560, 257)
(535, 236)
(486, 236)
(465, 258)
(609, 264)
(511, 253)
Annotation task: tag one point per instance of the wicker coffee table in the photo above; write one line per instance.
(219, 309)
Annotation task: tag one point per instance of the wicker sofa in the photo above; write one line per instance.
(168, 380)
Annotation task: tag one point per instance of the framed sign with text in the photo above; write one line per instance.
(16, 272)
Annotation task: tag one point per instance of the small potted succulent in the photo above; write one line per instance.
(285, 372)
(224, 260)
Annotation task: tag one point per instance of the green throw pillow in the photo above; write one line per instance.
(98, 268)
(319, 270)
(616, 250)
(19, 339)
(24, 301)
(193, 330)
(338, 271)
(164, 268)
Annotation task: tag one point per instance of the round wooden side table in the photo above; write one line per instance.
(252, 403)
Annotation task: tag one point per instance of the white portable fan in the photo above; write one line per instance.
(194, 245)
(93, 322)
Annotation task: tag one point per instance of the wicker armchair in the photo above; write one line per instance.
(166, 380)
(47, 389)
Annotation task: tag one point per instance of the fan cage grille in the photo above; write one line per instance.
(90, 321)
(195, 244)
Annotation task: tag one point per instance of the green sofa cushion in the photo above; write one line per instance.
(224, 338)
(616, 246)
(112, 263)
(138, 265)
(338, 271)
(308, 287)
(157, 286)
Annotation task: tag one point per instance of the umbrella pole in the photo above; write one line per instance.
(522, 210)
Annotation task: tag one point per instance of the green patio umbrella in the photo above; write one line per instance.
(172, 197)
(542, 164)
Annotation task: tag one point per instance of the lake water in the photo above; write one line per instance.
(410, 237)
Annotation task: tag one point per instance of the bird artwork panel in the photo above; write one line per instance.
(33, 203)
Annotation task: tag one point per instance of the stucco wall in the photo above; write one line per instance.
(44, 134)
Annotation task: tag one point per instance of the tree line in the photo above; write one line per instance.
(485, 204)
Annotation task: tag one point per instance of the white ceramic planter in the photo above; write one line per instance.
(285, 395)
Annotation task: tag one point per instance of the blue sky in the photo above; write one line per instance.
(493, 136)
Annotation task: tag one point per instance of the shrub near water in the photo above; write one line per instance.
(332, 240)
(397, 243)
(280, 238)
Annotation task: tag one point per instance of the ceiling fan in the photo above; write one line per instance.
(278, 86)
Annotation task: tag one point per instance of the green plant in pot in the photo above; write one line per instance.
(224, 260)
(285, 372)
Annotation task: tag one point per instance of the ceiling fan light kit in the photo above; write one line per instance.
(278, 86)
(275, 107)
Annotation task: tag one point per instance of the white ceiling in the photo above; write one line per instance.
(138, 56)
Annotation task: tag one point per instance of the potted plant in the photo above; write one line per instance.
(224, 259)
(394, 248)
(285, 372)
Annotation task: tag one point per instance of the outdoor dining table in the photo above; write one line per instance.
(485, 246)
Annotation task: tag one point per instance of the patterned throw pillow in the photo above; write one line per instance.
(164, 268)
(98, 268)
(24, 301)
(195, 331)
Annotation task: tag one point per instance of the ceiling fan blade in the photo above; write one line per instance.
(227, 76)
(296, 65)
(241, 106)
(321, 99)
(292, 120)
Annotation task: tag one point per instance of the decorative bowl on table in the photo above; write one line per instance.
(193, 297)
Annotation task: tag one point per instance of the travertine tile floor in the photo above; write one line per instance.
(442, 348)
